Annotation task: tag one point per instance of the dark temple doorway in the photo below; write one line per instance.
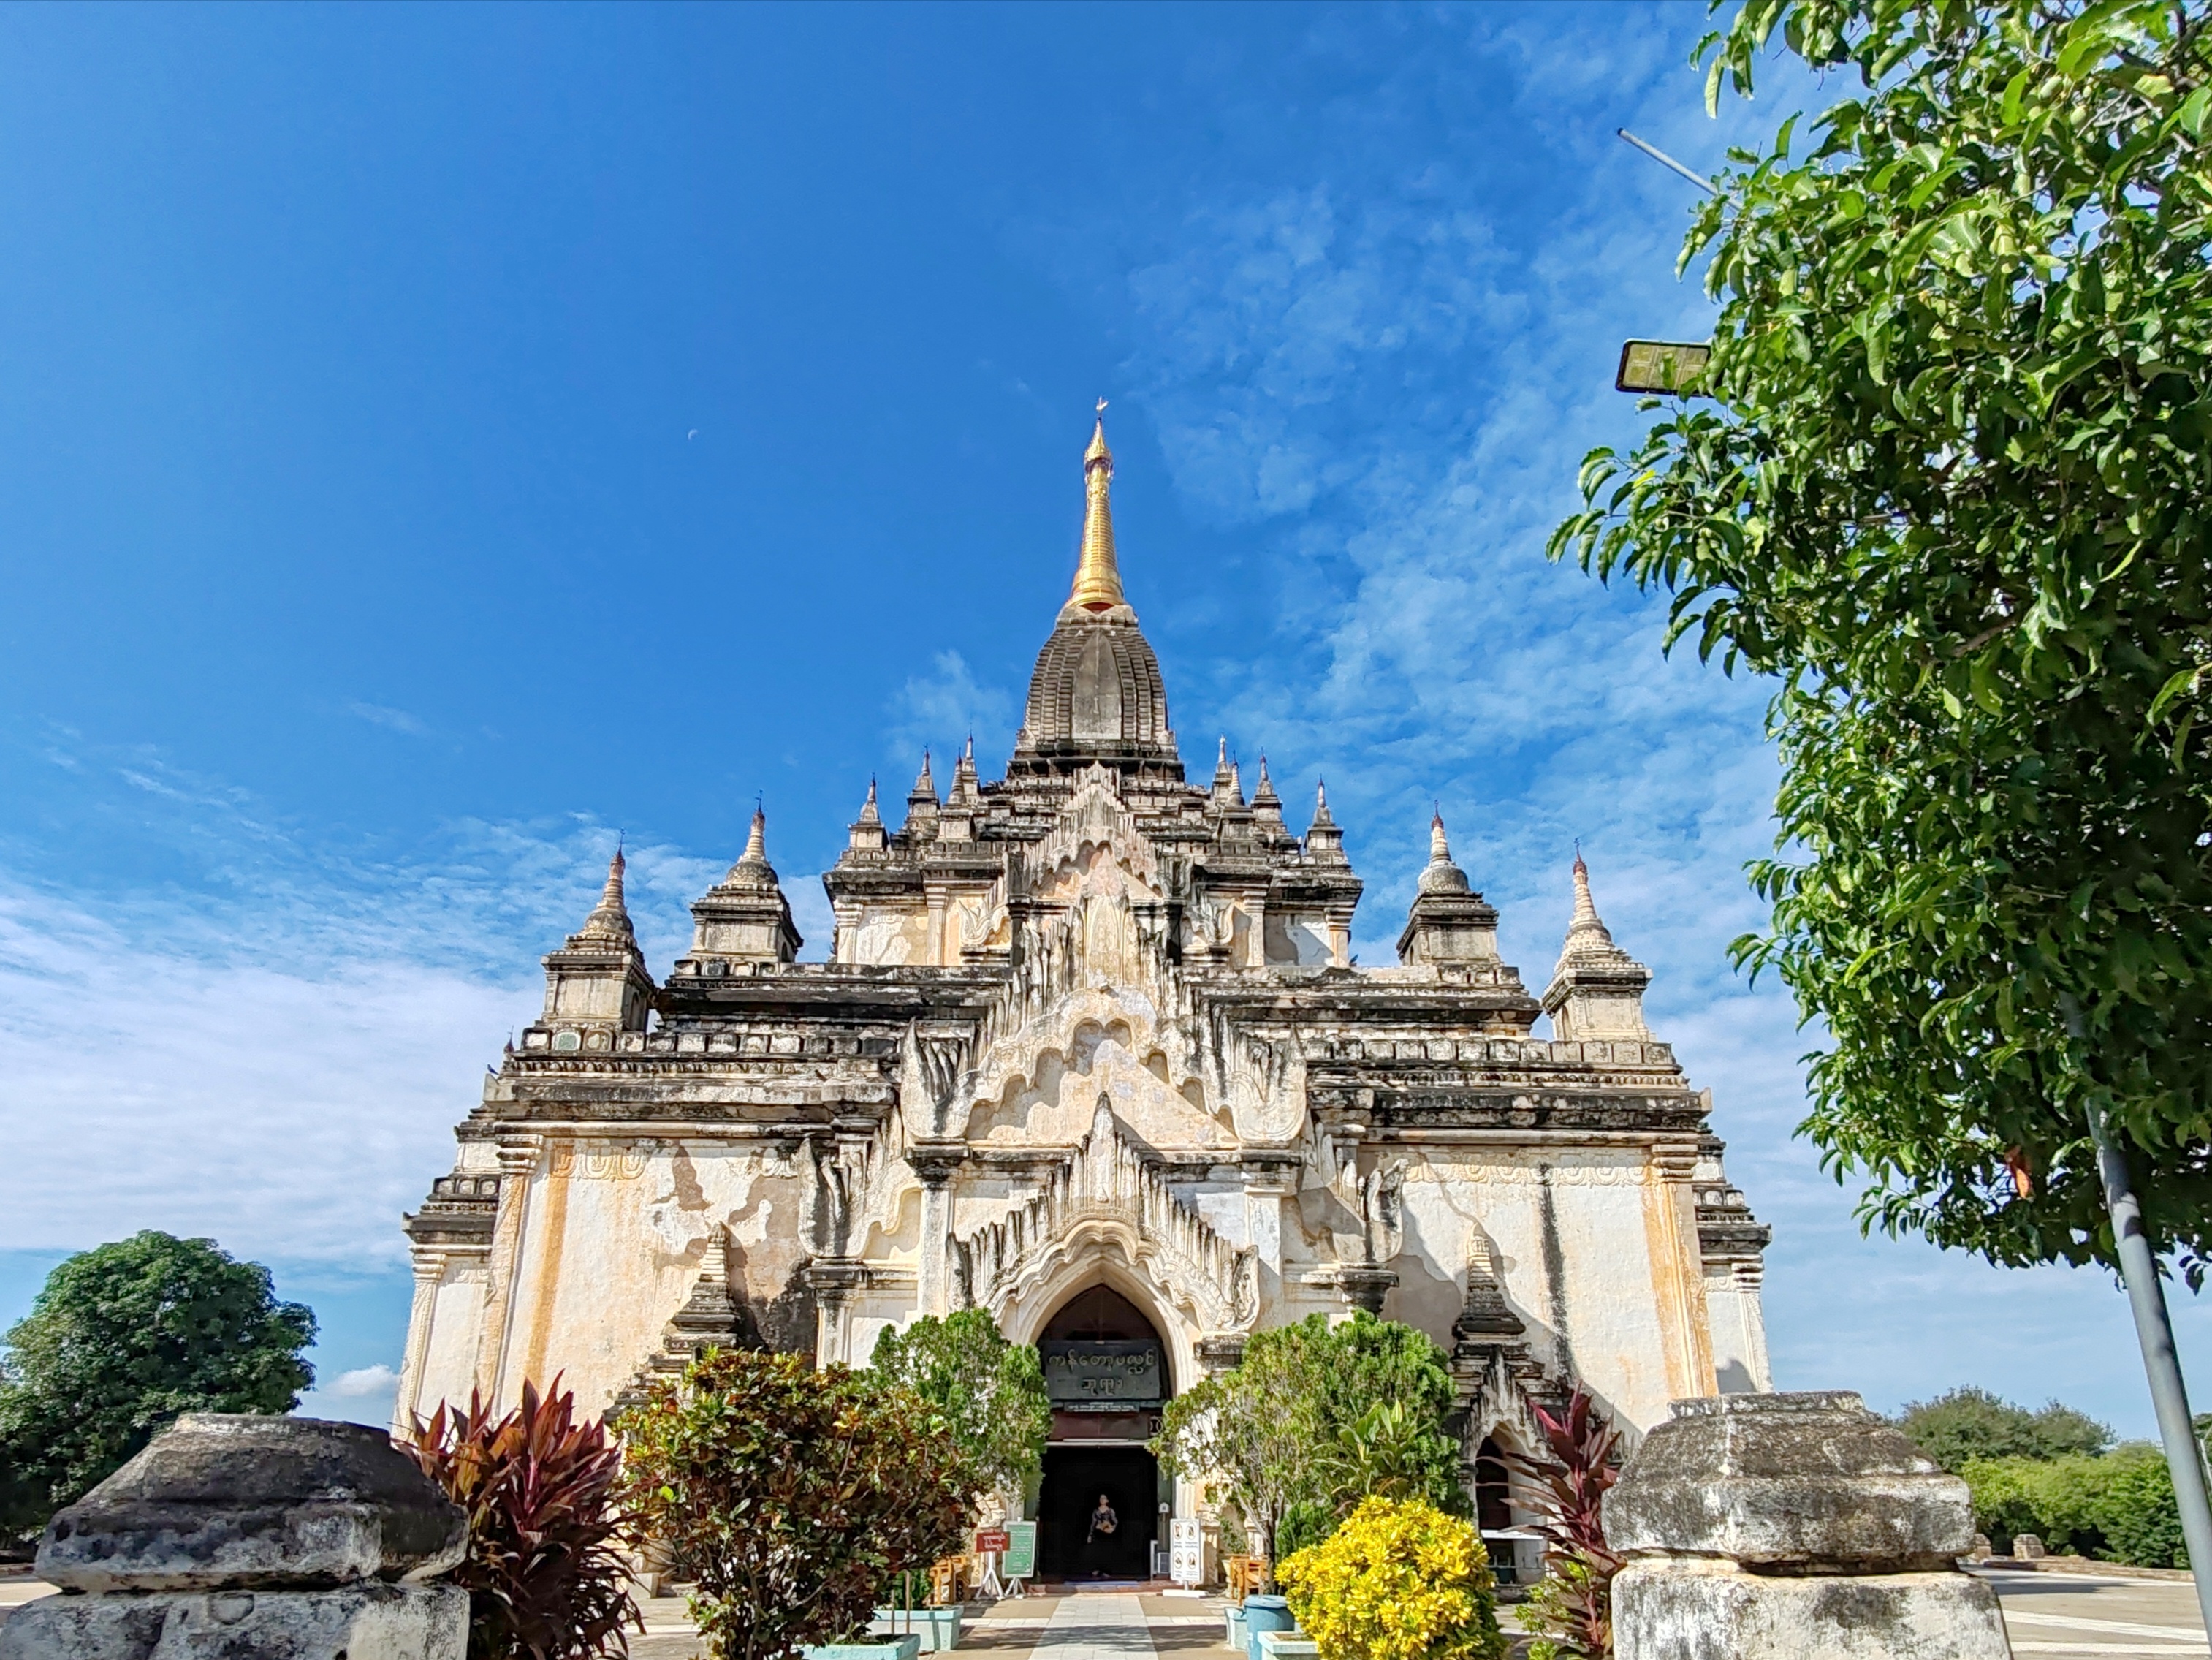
(1105, 1370)
(1074, 1478)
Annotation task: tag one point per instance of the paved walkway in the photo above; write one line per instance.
(2063, 1616)
(2078, 1616)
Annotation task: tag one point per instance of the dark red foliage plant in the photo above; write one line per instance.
(1568, 1481)
(544, 1575)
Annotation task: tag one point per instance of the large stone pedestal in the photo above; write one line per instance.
(1793, 1527)
(363, 1622)
(242, 1537)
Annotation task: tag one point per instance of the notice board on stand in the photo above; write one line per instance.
(1019, 1561)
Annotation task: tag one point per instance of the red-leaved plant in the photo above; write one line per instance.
(543, 1575)
(1575, 1602)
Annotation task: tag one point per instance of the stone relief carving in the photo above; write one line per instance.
(1265, 1087)
(930, 1079)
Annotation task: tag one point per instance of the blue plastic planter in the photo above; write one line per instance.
(1263, 1615)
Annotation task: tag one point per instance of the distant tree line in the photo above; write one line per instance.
(2054, 1473)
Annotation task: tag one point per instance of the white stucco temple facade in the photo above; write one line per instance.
(1090, 1052)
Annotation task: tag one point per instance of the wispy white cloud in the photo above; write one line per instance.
(276, 1054)
(364, 1381)
(1387, 368)
(940, 711)
(365, 1395)
(378, 714)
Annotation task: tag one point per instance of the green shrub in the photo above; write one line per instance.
(791, 1496)
(987, 1393)
(2002, 1509)
(2140, 1521)
(1398, 1580)
(2119, 1507)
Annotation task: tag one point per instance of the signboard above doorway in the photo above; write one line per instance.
(1096, 1375)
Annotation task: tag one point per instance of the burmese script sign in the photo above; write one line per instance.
(1102, 1376)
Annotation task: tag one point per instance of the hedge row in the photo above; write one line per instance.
(2118, 1507)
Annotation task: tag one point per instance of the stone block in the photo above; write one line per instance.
(247, 1502)
(1671, 1610)
(1810, 1481)
(2027, 1547)
(1288, 1646)
(372, 1622)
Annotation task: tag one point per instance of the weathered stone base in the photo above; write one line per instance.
(1681, 1610)
(359, 1622)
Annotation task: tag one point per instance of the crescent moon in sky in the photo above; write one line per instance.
(692, 434)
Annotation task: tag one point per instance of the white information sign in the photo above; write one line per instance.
(1187, 1551)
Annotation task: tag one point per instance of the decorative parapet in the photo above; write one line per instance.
(461, 1211)
(1107, 1182)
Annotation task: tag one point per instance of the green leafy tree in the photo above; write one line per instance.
(791, 1496)
(1971, 1423)
(1951, 490)
(122, 1339)
(1316, 1418)
(989, 1394)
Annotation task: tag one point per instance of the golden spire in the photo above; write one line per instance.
(1097, 577)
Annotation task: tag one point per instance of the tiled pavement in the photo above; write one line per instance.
(2076, 1616)
(1092, 1625)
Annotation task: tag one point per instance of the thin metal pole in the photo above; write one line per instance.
(2184, 1459)
(1667, 161)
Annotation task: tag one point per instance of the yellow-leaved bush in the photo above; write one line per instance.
(1399, 1580)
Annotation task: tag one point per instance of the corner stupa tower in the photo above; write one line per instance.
(1090, 1051)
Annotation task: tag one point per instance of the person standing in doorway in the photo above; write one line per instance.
(1098, 1543)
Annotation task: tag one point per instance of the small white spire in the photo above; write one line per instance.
(756, 851)
(609, 918)
(1586, 931)
(868, 813)
(1439, 848)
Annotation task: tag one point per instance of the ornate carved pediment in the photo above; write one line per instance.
(1107, 1195)
(1094, 847)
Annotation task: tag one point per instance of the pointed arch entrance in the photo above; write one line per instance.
(1109, 1373)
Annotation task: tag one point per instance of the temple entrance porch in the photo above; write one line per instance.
(1106, 1373)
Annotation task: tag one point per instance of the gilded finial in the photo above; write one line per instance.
(1097, 575)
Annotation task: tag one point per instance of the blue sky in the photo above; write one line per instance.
(434, 440)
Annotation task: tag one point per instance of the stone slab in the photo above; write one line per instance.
(1810, 1479)
(1288, 1646)
(1679, 1611)
(228, 1501)
(359, 1622)
(891, 1648)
